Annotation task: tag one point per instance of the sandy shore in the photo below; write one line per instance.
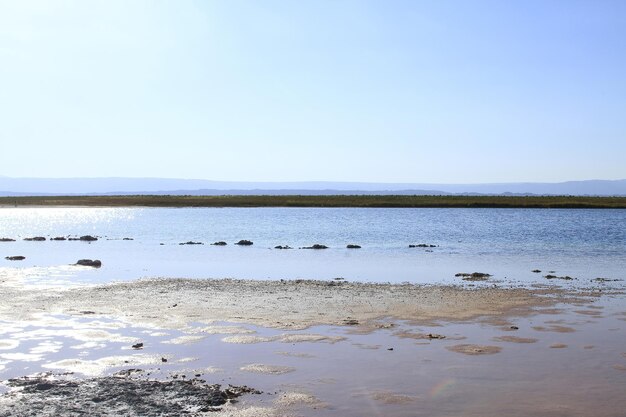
(173, 303)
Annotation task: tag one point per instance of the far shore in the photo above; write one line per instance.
(373, 201)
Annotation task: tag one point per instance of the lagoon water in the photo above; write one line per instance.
(566, 360)
(508, 243)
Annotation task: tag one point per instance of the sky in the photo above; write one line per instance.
(377, 91)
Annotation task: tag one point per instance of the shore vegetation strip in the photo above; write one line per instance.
(375, 201)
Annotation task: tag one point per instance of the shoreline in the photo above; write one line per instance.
(319, 201)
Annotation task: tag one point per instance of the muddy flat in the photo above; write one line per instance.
(313, 348)
(288, 304)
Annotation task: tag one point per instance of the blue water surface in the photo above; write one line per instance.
(507, 243)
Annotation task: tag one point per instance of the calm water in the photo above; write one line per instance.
(508, 243)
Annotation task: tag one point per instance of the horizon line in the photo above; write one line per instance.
(310, 181)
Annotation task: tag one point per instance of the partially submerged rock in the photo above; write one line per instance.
(85, 238)
(566, 277)
(244, 242)
(35, 239)
(58, 238)
(353, 246)
(122, 394)
(315, 246)
(283, 247)
(191, 242)
(95, 263)
(220, 243)
(6, 239)
(606, 280)
(422, 245)
(474, 276)
(15, 258)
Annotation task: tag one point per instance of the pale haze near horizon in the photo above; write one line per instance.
(397, 91)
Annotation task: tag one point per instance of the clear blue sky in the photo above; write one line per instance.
(389, 91)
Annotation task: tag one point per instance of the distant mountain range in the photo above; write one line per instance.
(125, 186)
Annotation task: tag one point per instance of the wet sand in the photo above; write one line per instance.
(298, 304)
(312, 348)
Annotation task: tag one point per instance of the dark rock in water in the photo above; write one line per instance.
(536, 271)
(191, 243)
(316, 246)
(58, 238)
(351, 322)
(6, 239)
(514, 328)
(606, 280)
(353, 247)
(35, 239)
(88, 238)
(163, 359)
(566, 277)
(220, 243)
(125, 393)
(474, 276)
(96, 263)
(283, 247)
(15, 258)
(137, 346)
(128, 238)
(244, 243)
(422, 245)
